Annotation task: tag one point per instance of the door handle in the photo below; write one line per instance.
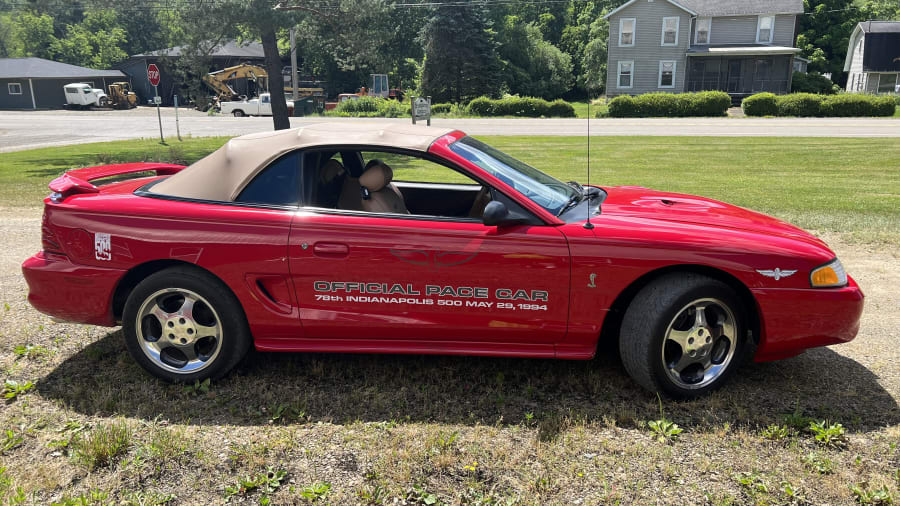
(331, 250)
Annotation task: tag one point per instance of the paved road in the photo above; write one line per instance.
(30, 129)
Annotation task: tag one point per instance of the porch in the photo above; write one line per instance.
(740, 74)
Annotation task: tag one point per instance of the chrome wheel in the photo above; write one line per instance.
(699, 343)
(179, 330)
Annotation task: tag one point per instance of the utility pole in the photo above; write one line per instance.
(294, 83)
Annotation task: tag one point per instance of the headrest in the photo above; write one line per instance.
(330, 171)
(376, 176)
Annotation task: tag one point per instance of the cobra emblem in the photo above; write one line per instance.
(591, 284)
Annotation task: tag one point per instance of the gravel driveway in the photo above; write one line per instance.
(539, 431)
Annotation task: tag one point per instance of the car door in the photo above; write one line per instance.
(382, 276)
(265, 105)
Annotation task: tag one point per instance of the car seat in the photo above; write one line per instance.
(377, 193)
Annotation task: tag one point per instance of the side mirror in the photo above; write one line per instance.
(495, 213)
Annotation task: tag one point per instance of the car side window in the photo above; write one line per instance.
(278, 184)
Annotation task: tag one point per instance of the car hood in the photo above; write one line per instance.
(635, 201)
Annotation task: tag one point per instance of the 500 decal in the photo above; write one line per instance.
(463, 292)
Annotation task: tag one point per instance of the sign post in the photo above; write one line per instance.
(421, 109)
(153, 76)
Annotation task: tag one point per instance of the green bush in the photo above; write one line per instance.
(365, 107)
(441, 108)
(761, 104)
(812, 83)
(799, 104)
(707, 103)
(858, 105)
(526, 107)
(805, 104)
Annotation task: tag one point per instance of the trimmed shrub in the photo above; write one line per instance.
(799, 104)
(440, 108)
(706, 103)
(812, 83)
(371, 107)
(761, 104)
(858, 105)
(805, 104)
(526, 107)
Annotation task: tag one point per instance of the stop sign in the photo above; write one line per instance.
(153, 74)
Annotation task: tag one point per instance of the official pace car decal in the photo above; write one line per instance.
(432, 295)
(102, 247)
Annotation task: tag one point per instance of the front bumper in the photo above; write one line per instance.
(793, 320)
(69, 291)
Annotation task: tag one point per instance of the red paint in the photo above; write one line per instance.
(271, 260)
(153, 74)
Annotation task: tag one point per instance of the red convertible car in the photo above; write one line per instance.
(381, 238)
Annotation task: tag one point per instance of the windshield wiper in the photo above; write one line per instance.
(574, 200)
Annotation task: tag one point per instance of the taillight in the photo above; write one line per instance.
(49, 241)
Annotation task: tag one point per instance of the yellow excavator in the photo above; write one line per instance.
(121, 96)
(218, 80)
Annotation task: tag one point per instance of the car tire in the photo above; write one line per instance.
(182, 324)
(238, 113)
(668, 348)
(103, 101)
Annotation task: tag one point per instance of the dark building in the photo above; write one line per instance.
(35, 83)
(873, 58)
(223, 56)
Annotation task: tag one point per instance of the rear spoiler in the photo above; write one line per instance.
(79, 180)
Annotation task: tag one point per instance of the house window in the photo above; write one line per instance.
(626, 74)
(670, 31)
(764, 29)
(14, 88)
(887, 83)
(703, 26)
(667, 74)
(626, 31)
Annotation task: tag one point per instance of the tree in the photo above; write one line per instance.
(461, 60)
(594, 61)
(32, 34)
(532, 65)
(824, 33)
(95, 42)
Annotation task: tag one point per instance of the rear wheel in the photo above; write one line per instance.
(182, 324)
(684, 335)
(238, 113)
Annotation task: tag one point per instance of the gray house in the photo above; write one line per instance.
(35, 83)
(873, 58)
(737, 46)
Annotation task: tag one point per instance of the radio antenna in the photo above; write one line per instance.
(588, 225)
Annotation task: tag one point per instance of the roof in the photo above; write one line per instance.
(222, 175)
(231, 49)
(743, 7)
(880, 26)
(732, 50)
(39, 68)
(731, 7)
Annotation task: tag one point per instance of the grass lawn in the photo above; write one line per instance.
(835, 185)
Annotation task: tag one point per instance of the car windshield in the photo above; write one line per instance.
(548, 192)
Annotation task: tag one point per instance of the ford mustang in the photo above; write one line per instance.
(379, 238)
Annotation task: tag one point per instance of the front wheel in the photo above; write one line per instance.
(103, 101)
(684, 335)
(238, 113)
(182, 324)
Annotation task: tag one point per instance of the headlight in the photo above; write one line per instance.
(831, 274)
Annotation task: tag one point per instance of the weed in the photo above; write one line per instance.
(101, 446)
(373, 494)
(197, 388)
(831, 435)
(550, 426)
(12, 389)
(10, 440)
(30, 351)
(148, 498)
(444, 443)
(92, 498)
(798, 421)
(267, 483)
(316, 491)
(419, 495)
(776, 432)
(752, 482)
(865, 495)
(665, 430)
(821, 465)
(792, 493)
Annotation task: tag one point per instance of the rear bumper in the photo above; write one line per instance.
(796, 319)
(69, 291)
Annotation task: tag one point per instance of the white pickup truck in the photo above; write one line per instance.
(261, 106)
(84, 95)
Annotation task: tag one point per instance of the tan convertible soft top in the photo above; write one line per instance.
(223, 173)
